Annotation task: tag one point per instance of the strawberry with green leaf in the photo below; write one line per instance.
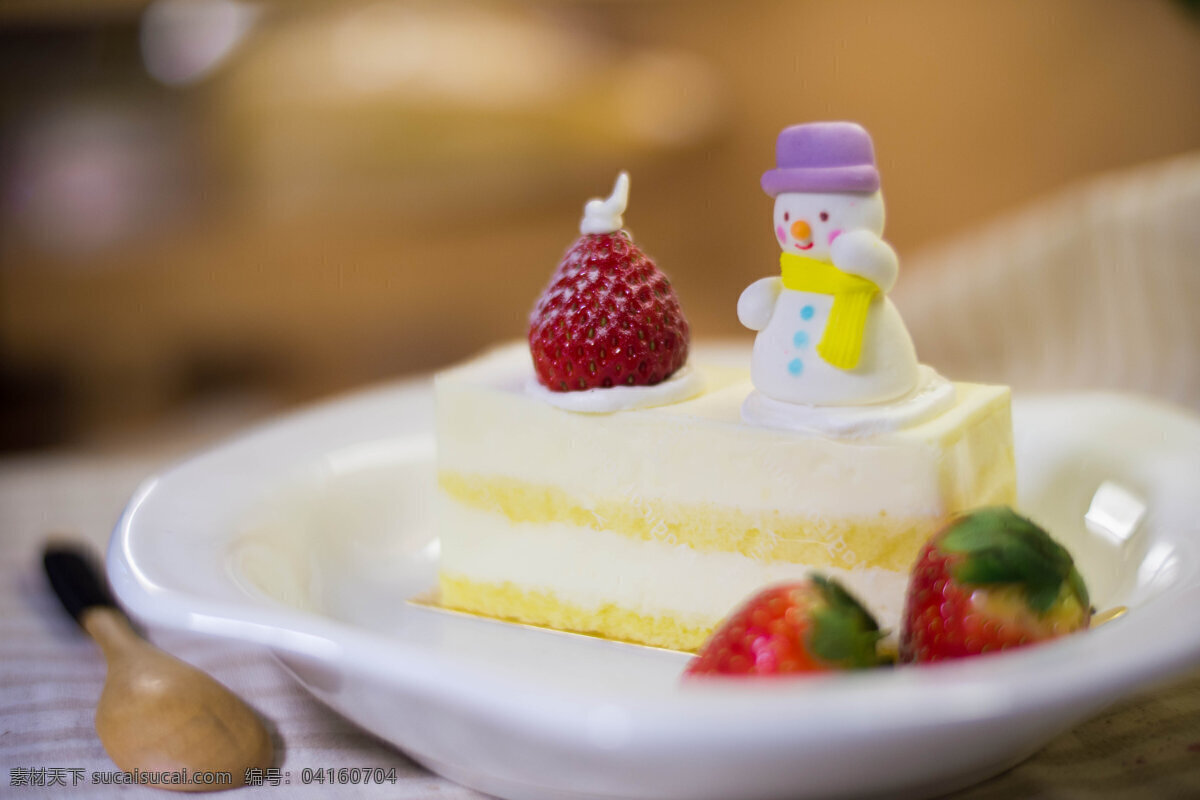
(990, 580)
(808, 626)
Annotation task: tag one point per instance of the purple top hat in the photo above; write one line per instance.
(823, 157)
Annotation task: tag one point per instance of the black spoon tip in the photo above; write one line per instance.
(75, 579)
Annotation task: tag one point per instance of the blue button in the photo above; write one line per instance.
(800, 339)
(795, 366)
(807, 312)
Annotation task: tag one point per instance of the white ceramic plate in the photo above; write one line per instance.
(309, 536)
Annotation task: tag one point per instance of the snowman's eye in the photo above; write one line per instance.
(785, 216)
(824, 216)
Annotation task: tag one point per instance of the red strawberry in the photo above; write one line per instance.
(809, 626)
(608, 318)
(990, 580)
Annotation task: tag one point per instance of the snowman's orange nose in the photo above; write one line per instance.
(801, 231)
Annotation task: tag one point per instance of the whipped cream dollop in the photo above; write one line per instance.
(684, 384)
(605, 216)
(932, 395)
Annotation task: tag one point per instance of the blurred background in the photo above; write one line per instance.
(230, 207)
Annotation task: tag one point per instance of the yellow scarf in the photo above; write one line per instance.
(841, 345)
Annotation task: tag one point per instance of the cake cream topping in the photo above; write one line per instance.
(604, 216)
(932, 396)
(684, 384)
(831, 355)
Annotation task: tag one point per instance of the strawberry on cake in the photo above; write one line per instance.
(598, 479)
(609, 317)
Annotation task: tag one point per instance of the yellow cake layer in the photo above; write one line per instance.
(880, 541)
(545, 609)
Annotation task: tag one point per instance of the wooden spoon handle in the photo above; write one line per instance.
(113, 632)
(85, 595)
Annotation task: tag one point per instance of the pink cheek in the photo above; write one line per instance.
(834, 234)
(780, 233)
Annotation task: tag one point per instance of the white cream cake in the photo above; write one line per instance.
(598, 480)
(650, 525)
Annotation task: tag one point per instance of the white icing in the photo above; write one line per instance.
(932, 395)
(604, 216)
(684, 384)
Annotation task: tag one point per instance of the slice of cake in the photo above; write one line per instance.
(650, 525)
(598, 481)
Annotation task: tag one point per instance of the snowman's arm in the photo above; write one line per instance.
(865, 254)
(757, 303)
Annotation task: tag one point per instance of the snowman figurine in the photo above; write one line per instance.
(828, 337)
